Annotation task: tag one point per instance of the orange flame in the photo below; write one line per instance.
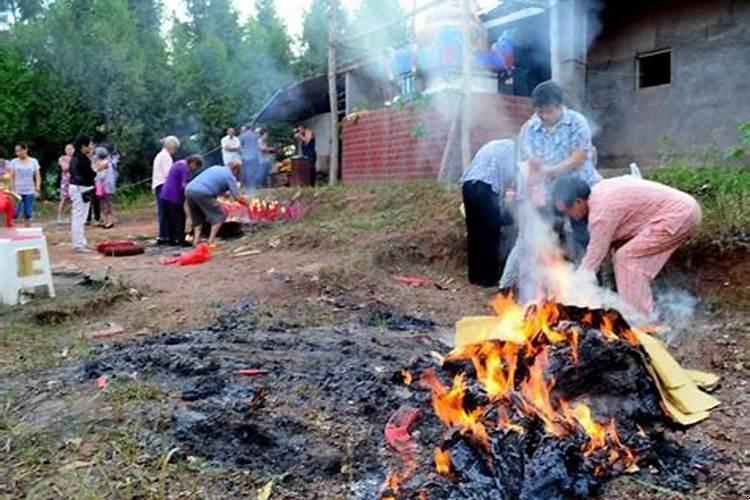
(449, 407)
(608, 328)
(494, 362)
(574, 345)
(612, 333)
(443, 461)
(407, 377)
(537, 396)
(527, 333)
(601, 437)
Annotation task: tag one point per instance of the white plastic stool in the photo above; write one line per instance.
(13, 241)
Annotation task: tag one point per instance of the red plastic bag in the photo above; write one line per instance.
(199, 255)
(397, 432)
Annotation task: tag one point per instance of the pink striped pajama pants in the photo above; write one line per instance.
(641, 258)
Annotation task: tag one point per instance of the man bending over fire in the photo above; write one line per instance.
(201, 195)
(642, 221)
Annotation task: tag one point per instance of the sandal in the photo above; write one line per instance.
(108, 226)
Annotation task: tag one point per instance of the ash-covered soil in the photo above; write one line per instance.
(314, 421)
(313, 414)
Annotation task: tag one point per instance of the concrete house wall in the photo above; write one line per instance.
(709, 93)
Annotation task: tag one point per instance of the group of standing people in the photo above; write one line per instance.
(81, 182)
(90, 175)
(105, 184)
(251, 148)
(552, 168)
(182, 189)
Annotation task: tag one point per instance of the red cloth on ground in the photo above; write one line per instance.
(198, 255)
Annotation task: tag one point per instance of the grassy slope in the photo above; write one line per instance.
(420, 222)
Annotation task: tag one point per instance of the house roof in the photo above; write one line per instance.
(297, 102)
(305, 98)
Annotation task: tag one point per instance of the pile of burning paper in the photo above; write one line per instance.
(547, 401)
(261, 210)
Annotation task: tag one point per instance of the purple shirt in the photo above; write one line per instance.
(173, 189)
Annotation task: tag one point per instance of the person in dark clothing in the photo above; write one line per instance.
(95, 211)
(306, 138)
(484, 184)
(173, 196)
(82, 176)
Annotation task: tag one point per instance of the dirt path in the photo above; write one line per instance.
(278, 277)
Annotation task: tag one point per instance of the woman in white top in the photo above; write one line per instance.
(26, 180)
(162, 163)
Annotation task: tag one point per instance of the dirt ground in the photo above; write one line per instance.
(280, 277)
(113, 447)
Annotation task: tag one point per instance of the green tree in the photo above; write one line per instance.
(206, 57)
(17, 95)
(271, 29)
(103, 67)
(314, 58)
(268, 46)
(22, 10)
(374, 13)
(106, 69)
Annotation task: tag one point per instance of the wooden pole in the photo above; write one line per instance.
(466, 86)
(444, 173)
(333, 163)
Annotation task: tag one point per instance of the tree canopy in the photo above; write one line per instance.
(108, 68)
(126, 73)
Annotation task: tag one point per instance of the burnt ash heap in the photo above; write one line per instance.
(523, 458)
(314, 421)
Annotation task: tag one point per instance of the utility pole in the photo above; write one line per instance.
(466, 86)
(333, 170)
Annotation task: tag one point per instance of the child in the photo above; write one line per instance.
(105, 181)
(8, 198)
(64, 164)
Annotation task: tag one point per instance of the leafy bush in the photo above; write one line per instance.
(741, 150)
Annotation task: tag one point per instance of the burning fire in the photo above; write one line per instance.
(443, 461)
(449, 407)
(518, 394)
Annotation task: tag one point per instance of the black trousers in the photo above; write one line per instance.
(174, 222)
(484, 221)
(95, 210)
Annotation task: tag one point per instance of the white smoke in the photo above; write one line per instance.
(675, 308)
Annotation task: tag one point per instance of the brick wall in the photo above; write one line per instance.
(391, 144)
